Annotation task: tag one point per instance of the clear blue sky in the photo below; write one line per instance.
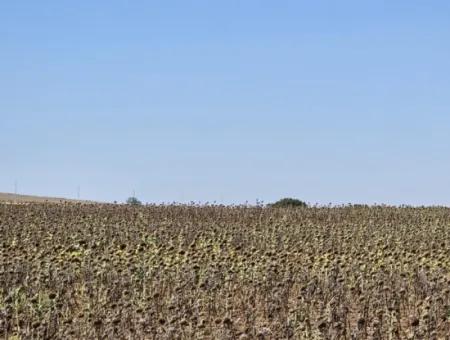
(327, 101)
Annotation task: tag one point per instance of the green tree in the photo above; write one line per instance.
(133, 201)
(288, 203)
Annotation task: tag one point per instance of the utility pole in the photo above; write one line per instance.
(15, 187)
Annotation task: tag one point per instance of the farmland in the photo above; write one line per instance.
(85, 271)
(16, 199)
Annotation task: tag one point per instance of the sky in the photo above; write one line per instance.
(226, 101)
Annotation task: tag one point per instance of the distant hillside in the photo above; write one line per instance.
(13, 198)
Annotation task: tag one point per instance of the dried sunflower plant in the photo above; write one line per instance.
(91, 271)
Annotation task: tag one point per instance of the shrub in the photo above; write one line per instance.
(289, 203)
(133, 201)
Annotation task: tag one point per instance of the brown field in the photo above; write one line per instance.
(181, 272)
(17, 199)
